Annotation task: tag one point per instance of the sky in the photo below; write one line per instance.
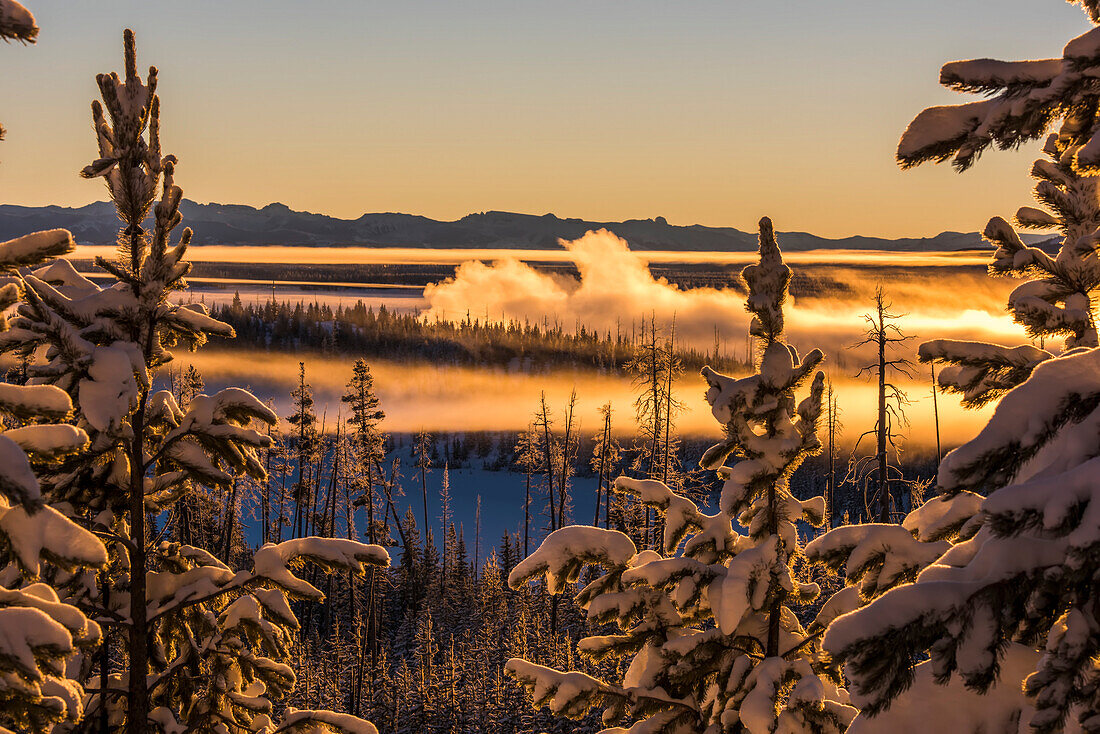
(712, 113)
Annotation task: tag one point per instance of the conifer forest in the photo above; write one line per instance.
(265, 471)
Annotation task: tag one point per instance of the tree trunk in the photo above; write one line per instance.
(883, 479)
(564, 478)
(830, 498)
(424, 492)
(936, 415)
(282, 495)
(265, 497)
(104, 657)
(137, 714)
(547, 449)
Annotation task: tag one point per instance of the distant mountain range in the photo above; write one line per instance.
(277, 224)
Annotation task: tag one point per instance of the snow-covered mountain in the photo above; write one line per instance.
(277, 224)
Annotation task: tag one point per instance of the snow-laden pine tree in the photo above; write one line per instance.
(42, 638)
(1011, 605)
(200, 646)
(709, 623)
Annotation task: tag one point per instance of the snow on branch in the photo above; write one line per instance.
(957, 708)
(35, 249)
(938, 133)
(570, 694)
(1025, 99)
(681, 514)
(1060, 394)
(46, 533)
(984, 75)
(37, 401)
(566, 551)
(17, 480)
(323, 722)
(981, 372)
(38, 634)
(1013, 257)
(48, 442)
(945, 518)
(877, 556)
(275, 561)
(16, 22)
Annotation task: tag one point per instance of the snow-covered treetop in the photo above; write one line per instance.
(759, 400)
(16, 22)
(768, 281)
(103, 342)
(132, 106)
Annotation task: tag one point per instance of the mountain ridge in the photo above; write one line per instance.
(278, 224)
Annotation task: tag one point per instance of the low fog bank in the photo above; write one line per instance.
(442, 398)
(616, 289)
(937, 295)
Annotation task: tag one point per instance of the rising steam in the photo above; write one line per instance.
(615, 288)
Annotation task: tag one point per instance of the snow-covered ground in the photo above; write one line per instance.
(502, 497)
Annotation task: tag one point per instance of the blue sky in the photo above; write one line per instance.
(702, 112)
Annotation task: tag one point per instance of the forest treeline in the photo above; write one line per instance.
(470, 341)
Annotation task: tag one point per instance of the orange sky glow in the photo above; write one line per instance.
(702, 112)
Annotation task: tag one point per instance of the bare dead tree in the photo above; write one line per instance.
(873, 474)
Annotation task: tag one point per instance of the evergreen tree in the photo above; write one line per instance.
(445, 522)
(368, 447)
(200, 646)
(41, 632)
(306, 445)
(709, 622)
(1009, 607)
(190, 386)
(366, 415)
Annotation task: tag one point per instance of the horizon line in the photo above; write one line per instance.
(658, 219)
